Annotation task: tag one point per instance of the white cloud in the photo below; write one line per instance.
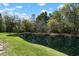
(19, 6)
(42, 4)
(49, 11)
(50, 8)
(6, 4)
(9, 9)
(10, 13)
(43, 10)
(6, 12)
(1, 11)
(16, 13)
(22, 15)
(60, 6)
(25, 16)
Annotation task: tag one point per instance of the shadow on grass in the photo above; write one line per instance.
(13, 34)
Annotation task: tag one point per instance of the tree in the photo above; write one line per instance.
(26, 25)
(33, 17)
(42, 17)
(10, 23)
(65, 19)
(53, 25)
(1, 23)
(57, 15)
(66, 26)
(70, 12)
(41, 22)
(17, 27)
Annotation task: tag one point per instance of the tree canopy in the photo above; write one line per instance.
(64, 19)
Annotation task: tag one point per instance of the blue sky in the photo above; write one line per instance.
(29, 8)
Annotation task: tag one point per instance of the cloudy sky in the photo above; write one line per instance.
(28, 8)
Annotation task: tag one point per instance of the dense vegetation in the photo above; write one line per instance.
(64, 19)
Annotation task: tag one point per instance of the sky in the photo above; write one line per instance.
(28, 8)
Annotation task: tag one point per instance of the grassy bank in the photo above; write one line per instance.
(18, 47)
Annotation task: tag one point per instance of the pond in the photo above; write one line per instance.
(65, 44)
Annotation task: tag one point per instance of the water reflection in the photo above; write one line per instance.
(65, 44)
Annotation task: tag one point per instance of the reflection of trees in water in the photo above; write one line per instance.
(68, 45)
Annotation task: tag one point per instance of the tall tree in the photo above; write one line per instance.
(9, 21)
(70, 12)
(41, 21)
(43, 16)
(26, 25)
(57, 15)
(1, 22)
(33, 17)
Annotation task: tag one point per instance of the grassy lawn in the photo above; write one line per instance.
(18, 47)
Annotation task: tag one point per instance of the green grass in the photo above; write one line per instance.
(18, 47)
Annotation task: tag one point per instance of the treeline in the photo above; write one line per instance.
(62, 20)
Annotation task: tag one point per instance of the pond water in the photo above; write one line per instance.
(65, 44)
